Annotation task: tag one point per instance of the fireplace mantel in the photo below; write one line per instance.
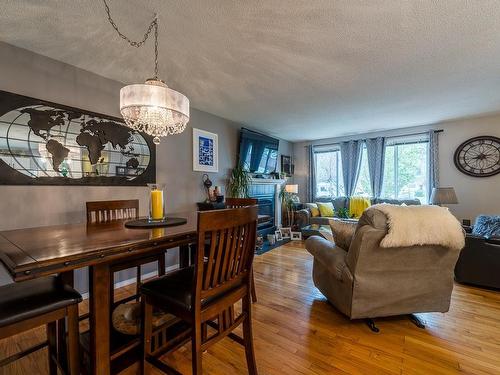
(267, 181)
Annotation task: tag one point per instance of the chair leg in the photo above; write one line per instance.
(417, 321)
(112, 290)
(196, 348)
(137, 283)
(248, 336)
(62, 355)
(371, 324)
(146, 330)
(161, 264)
(204, 332)
(252, 288)
(52, 347)
(73, 341)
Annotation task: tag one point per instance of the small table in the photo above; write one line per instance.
(316, 230)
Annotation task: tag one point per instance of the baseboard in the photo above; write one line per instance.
(130, 281)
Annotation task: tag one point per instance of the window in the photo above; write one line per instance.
(405, 169)
(328, 173)
(363, 187)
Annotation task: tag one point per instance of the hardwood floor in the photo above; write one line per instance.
(297, 332)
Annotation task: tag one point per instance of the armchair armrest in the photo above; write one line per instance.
(331, 256)
(493, 241)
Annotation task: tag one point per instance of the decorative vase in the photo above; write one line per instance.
(156, 202)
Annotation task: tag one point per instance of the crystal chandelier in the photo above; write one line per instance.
(152, 107)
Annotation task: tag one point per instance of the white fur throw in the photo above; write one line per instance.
(421, 225)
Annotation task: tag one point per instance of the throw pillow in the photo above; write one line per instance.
(313, 207)
(326, 209)
(487, 226)
(343, 232)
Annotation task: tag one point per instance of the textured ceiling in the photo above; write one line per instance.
(296, 69)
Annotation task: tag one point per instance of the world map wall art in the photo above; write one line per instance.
(43, 143)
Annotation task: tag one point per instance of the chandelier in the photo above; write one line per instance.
(152, 107)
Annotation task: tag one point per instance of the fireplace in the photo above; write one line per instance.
(267, 194)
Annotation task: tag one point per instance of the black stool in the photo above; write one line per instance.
(30, 304)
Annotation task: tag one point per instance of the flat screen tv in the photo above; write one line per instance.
(258, 152)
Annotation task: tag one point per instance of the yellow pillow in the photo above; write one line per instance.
(357, 205)
(313, 207)
(326, 209)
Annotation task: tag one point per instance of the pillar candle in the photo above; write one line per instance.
(157, 204)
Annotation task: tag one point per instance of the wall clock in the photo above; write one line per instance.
(478, 156)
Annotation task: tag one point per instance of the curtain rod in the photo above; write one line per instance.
(391, 136)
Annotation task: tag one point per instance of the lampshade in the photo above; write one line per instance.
(154, 108)
(443, 195)
(294, 188)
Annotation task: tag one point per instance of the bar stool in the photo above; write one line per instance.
(244, 202)
(102, 212)
(45, 301)
(205, 294)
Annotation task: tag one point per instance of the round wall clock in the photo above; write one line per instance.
(479, 156)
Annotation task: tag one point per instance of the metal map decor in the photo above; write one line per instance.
(43, 143)
(478, 156)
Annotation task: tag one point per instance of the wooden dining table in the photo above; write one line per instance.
(59, 250)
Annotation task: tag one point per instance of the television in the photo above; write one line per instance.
(258, 152)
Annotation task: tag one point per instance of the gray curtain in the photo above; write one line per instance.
(350, 153)
(311, 178)
(375, 149)
(433, 164)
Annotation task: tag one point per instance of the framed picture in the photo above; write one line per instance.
(286, 165)
(278, 236)
(205, 151)
(296, 236)
(286, 232)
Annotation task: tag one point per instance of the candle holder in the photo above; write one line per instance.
(156, 203)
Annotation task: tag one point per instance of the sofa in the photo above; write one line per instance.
(368, 281)
(303, 216)
(479, 261)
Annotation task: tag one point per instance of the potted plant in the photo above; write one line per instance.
(238, 183)
(287, 205)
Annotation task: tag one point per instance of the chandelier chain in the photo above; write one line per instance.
(137, 44)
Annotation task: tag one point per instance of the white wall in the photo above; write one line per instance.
(476, 195)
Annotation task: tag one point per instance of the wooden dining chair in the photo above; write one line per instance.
(205, 294)
(244, 202)
(101, 212)
(44, 301)
(240, 202)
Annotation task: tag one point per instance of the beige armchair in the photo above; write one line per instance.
(369, 281)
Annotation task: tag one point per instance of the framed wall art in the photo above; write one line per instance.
(44, 143)
(205, 151)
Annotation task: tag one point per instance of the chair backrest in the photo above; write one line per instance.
(240, 202)
(229, 235)
(107, 211)
(399, 280)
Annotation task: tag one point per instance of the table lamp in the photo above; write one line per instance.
(293, 188)
(443, 195)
